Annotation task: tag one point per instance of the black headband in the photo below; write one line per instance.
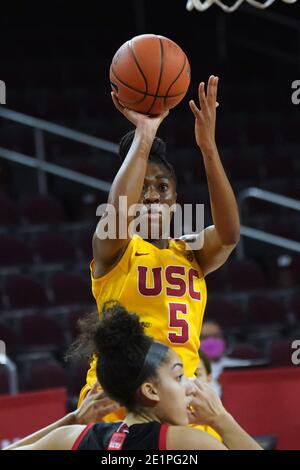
(156, 353)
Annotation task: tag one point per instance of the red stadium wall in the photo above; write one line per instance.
(27, 412)
(266, 401)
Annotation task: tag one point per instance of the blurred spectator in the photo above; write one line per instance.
(214, 346)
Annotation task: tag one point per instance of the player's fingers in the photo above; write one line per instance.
(200, 385)
(202, 97)
(216, 87)
(95, 388)
(117, 103)
(103, 401)
(191, 416)
(211, 96)
(105, 410)
(195, 110)
(99, 396)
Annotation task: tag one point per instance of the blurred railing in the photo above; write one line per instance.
(260, 234)
(40, 126)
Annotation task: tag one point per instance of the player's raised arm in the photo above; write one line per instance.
(129, 183)
(222, 237)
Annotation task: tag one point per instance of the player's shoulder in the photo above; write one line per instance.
(188, 438)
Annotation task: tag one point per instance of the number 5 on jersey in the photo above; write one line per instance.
(175, 322)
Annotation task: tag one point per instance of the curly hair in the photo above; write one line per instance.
(120, 344)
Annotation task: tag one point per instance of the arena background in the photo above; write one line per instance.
(54, 60)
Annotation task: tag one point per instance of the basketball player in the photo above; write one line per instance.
(161, 278)
(147, 378)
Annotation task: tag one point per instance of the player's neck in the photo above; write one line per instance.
(140, 418)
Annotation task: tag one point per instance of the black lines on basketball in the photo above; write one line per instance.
(139, 67)
(175, 80)
(160, 74)
(114, 86)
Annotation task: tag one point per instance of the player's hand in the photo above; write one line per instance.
(95, 406)
(205, 406)
(142, 121)
(205, 115)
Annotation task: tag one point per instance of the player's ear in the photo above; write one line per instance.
(148, 394)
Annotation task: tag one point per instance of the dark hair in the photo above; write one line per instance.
(157, 152)
(121, 345)
(206, 361)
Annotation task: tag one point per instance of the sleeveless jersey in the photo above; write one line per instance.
(146, 436)
(166, 288)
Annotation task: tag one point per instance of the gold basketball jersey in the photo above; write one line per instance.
(166, 288)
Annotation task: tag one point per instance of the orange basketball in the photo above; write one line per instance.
(150, 74)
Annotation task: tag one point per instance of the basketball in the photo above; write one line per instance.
(150, 74)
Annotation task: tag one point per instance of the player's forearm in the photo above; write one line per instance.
(130, 177)
(223, 203)
(67, 420)
(233, 436)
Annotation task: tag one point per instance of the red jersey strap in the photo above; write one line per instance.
(81, 436)
(162, 443)
(117, 439)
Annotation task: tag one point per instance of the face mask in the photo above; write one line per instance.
(213, 347)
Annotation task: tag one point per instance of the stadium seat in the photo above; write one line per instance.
(258, 207)
(53, 248)
(40, 332)
(9, 336)
(85, 244)
(217, 281)
(281, 352)
(41, 374)
(4, 380)
(279, 166)
(283, 270)
(71, 289)
(245, 351)
(13, 252)
(260, 132)
(225, 312)
(8, 211)
(42, 210)
(245, 275)
(294, 306)
(242, 169)
(25, 292)
(2, 307)
(77, 371)
(266, 311)
(286, 231)
(291, 130)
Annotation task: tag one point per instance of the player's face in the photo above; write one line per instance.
(158, 189)
(201, 372)
(175, 392)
